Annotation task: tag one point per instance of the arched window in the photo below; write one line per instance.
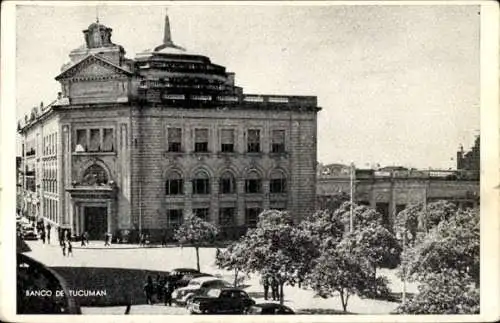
(253, 183)
(277, 183)
(95, 175)
(201, 183)
(174, 184)
(227, 183)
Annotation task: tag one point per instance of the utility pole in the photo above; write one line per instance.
(140, 208)
(352, 197)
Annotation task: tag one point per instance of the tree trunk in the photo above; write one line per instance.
(282, 296)
(375, 279)
(197, 258)
(344, 301)
(235, 278)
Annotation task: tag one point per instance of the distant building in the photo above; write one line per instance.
(470, 160)
(389, 190)
(135, 144)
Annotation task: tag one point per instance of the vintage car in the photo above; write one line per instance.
(270, 309)
(29, 235)
(221, 301)
(197, 287)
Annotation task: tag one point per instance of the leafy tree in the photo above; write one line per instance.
(233, 258)
(362, 216)
(195, 232)
(340, 271)
(277, 247)
(446, 263)
(333, 202)
(453, 244)
(378, 247)
(407, 223)
(446, 292)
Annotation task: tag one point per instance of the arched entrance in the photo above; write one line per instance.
(93, 203)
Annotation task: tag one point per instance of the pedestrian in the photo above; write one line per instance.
(265, 283)
(48, 233)
(82, 238)
(107, 239)
(63, 246)
(148, 290)
(70, 248)
(275, 288)
(164, 239)
(42, 235)
(141, 239)
(168, 289)
(86, 236)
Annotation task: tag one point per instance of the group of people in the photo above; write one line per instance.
(161, 289)
(271, 282)
(45, 233)
(65, 242)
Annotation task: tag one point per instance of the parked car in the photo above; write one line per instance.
(197, 287)
(29, 235)
(221, 301)
(184, 280)
(270, 309)
(183, 271)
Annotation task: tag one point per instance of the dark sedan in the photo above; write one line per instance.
(270, 309)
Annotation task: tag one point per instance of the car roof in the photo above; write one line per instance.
(186, 270)
(205, 279)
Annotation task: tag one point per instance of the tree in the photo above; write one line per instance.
(195, 232)
(378, 247)
(233, 258)
(446, 263)
(277, 247)
(362, 216)
(446, 292)
(338, 271)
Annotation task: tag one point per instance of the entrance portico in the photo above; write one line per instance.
(93, 210)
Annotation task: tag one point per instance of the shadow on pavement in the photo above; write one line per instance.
(322, 311)
(121, 286)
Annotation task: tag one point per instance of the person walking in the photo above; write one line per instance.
(63, 246)
(70, 248)
(48, 233)
(82, 238)
(148, 290)
(86, 237)
(42, 235)
(107, 239)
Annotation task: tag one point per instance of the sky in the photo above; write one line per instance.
(398, 85)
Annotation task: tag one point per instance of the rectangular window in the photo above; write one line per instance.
(95, 140)
(252, 217)
(278, 141)
(81, 139)
(174, 139)
(227, 140)
(253, 186)
(201, 140)
(174, 217)
(201, 186)
(227, 216)
(107, 140)
(202, 213)
(277, 185)
(253, 141)
(175, 187)
(226, 185)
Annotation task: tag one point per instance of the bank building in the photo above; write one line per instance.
(133, 145)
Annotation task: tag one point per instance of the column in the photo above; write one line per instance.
(214, 205)
(240, 205)
(265, 190)
(188, 200)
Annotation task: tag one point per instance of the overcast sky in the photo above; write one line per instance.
(399, 85)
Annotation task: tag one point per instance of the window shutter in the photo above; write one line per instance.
(278, 137)
(201, 135)
(174, 134)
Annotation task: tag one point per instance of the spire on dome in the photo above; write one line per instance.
(167, 36)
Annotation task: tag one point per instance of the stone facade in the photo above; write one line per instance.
(390, 191)
(135, 145)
